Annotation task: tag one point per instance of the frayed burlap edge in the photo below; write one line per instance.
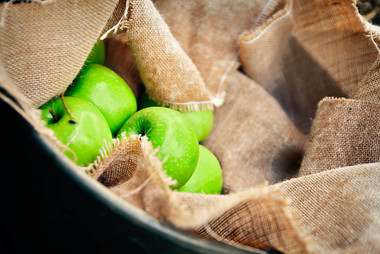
(120, 19)
(253, 35)
(117, 163)
(150, 192)
(151, 72)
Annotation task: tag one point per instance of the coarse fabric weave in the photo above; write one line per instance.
(295, 88)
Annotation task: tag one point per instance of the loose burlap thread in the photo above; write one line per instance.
(297, 135)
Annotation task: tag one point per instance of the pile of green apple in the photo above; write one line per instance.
(100, 106)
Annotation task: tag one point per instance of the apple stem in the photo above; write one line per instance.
(54, 115)
(67, 108)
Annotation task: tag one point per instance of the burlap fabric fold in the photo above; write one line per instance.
(45, 43)
(297, 133)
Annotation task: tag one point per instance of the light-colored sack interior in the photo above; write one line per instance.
(295, 87)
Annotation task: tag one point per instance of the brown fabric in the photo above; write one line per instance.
(118, 163)
(338, 208)
(116, 20)
(321, 48)
(261, 223)
(148, 186)
(369, 87)
(345, 133)
(44, 45)
(119, 59)
(253, 138)
(208, 32)
(169, 75)
(256, 218)
(337, 29)
(318, 157)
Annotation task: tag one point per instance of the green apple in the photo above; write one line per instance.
(207, 177)
(97, 54)
(167, 129)
(85, 135)
(202, 121)
(107, 91)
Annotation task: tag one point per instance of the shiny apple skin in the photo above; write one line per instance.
(85, 136)
(202, 121)
(97, 54)
(167, 129)
(207, 177)
(107, 91)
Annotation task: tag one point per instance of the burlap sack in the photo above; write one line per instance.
(297, 135)
(45, 43)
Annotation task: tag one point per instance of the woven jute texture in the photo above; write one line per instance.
(45, 43)
(296, 85)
